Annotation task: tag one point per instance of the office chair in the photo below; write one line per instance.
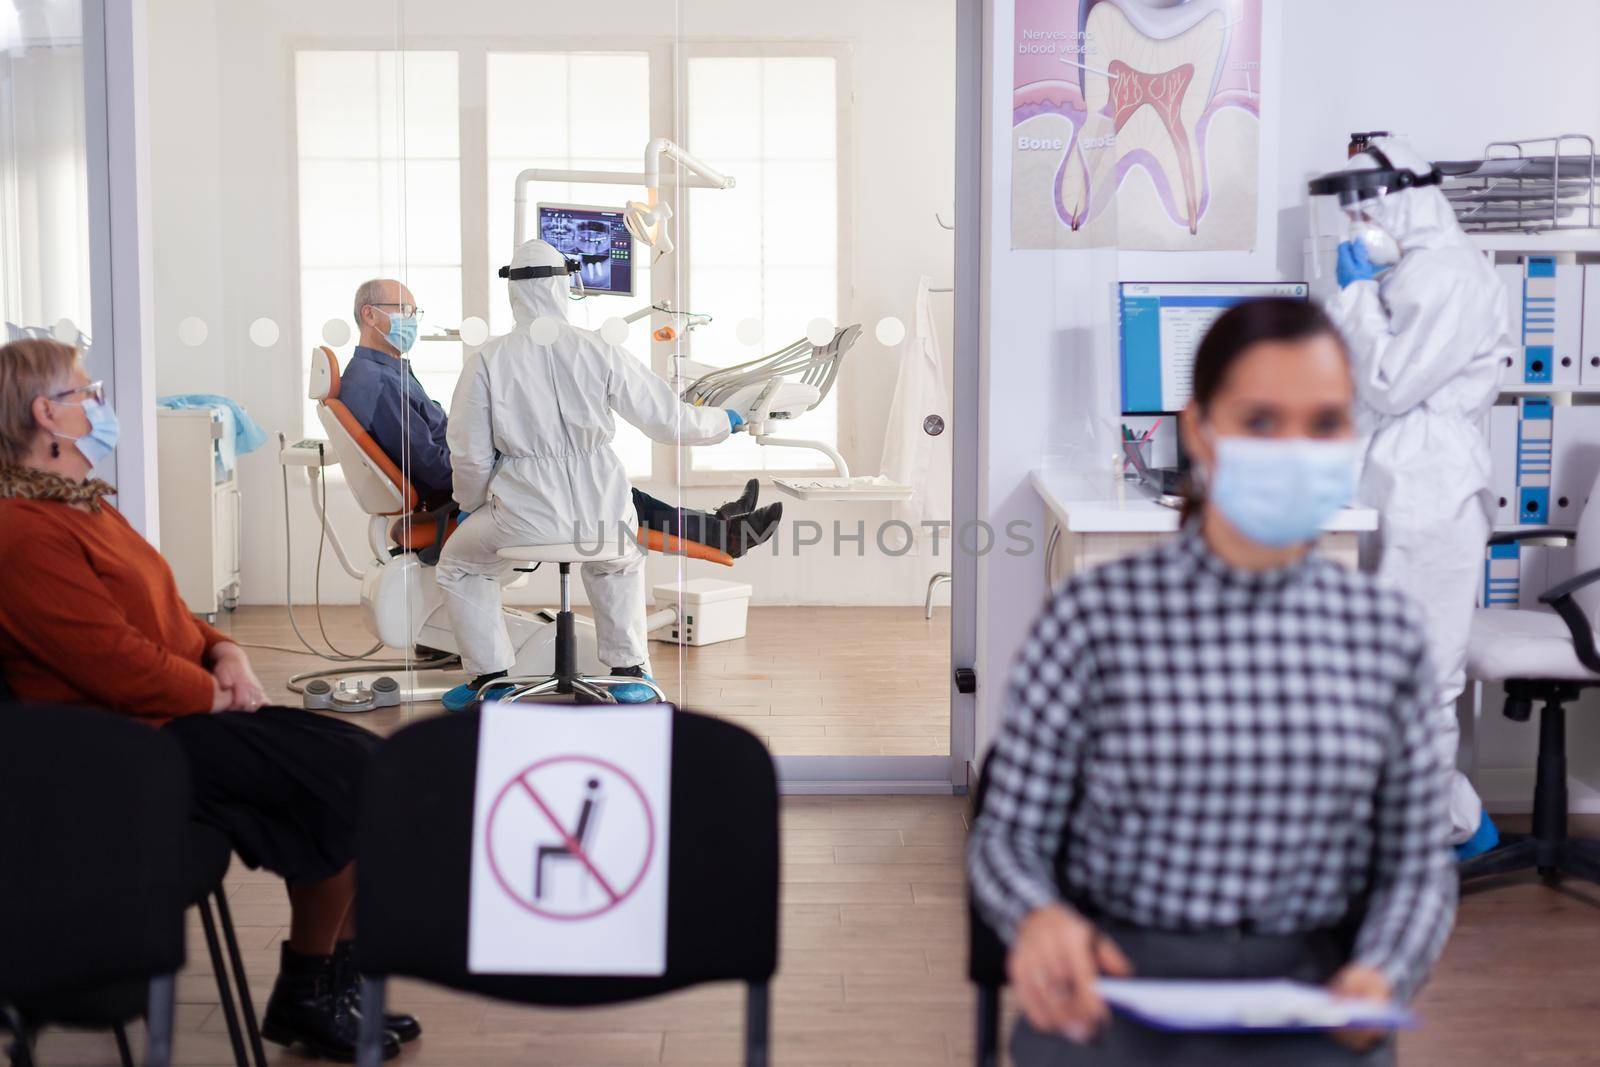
(1549, 658)
(415, 861)
(94, 818)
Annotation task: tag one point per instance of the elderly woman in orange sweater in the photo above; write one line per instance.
(90, 615)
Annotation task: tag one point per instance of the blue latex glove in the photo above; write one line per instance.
(735, 420)
(1355, 265)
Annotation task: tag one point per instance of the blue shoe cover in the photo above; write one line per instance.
(635, 694)
(1484, 838)
(460, 698)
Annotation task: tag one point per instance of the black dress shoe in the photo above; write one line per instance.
(307, 1009)
(744, 504)
(403, 1026)
(748, 531)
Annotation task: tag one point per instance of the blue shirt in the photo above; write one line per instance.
(378, 389)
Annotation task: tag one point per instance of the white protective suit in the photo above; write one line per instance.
(1429, 338)
(530, 451)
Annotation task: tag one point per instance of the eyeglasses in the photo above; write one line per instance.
(95, 391)
(406, 310)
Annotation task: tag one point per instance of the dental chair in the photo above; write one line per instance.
(1548, 658)
(777, 387)
(401, 603)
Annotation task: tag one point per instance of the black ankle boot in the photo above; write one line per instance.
(305, 1009)
(348, 983)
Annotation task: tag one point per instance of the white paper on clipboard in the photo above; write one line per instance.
(1271, 1004)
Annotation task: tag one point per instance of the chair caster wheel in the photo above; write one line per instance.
(1519, 710)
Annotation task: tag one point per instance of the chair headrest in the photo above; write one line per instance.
(324, 384)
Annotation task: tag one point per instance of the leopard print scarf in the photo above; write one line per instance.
(31, 483)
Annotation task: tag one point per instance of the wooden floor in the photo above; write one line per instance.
(819, 681)
(871, 968)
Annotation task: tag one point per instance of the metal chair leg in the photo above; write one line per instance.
(585, 687)
(21, 1048)
(521, 688)
(933, 585)
(224, 993)
(988, 1029)
(240, 981)
(757, 1024)
(369, 1039)
(158, 1022)
(124, 1050)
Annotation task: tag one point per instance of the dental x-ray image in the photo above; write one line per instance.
(598, 239)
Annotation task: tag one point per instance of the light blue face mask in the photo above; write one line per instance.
(101, 440)
(1279, 491)
(402, 332)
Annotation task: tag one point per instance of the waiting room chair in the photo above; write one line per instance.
(1551, 659)
(94, 813)
(106, 845)
(415, 861)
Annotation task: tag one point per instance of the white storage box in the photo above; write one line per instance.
(710, 610)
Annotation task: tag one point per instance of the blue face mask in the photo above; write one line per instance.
(402, 332)
(1278, 492)
(101, 440)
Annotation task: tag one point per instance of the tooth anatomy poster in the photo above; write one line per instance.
(1136, 124)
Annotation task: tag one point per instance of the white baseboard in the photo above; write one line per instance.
(1509, 791)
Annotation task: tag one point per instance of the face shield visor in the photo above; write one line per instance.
(1357, 190)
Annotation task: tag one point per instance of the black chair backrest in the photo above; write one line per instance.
(986, 953)
(94, 816)
(415, 863)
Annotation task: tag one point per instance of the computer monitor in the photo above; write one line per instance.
(1161, 326)
(598, 239)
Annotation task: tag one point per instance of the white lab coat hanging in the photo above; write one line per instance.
(911, 455)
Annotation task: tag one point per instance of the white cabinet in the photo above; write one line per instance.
(200, 510)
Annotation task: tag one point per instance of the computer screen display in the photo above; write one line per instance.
(1161, 326)
(598, 239)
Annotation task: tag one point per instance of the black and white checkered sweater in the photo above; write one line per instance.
(1189, 746)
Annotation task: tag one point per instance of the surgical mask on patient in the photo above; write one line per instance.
(1278, 492)
(101, 440)
(402, 332)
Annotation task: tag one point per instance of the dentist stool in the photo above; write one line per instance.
(565, 679)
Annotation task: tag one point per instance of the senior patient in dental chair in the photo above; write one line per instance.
(390, 404)
(531, 427)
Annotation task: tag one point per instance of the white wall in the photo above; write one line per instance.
(224, 176)
(1450, 74)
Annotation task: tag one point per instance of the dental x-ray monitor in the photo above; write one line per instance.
(598, 238)
(1161, 327)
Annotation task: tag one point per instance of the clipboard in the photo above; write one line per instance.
(1262, 1006)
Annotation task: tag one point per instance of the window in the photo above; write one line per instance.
(379, 154)
(593, 113)
(767, 249)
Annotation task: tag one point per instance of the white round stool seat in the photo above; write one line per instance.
(590, 552)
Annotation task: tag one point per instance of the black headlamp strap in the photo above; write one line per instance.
(522, 274)
(1407, 179)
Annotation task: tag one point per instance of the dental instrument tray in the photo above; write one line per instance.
(869, 487)
(1511, 190)
(784, 385)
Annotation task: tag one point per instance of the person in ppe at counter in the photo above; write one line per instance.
(1429, 331)
(530, 449)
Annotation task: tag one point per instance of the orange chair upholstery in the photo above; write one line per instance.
(656, 541)
(373, 455)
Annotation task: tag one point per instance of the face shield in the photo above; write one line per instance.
(1358, 190)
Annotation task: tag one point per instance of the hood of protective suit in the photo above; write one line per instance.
(532, 298)
(1419, 217)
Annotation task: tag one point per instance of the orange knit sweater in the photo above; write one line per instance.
(90, 614)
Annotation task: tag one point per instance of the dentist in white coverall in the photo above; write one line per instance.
(530, 446)
(1429, 336)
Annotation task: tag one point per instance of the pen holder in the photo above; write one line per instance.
(1138, 455)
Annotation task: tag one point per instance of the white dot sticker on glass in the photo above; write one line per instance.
(614, 331)
(336, 332)
(819, 332)
(65, 331)
(264, 333)
(193, 331)
(474, 331)
(749, 331)
(545, 330)
(890, 331)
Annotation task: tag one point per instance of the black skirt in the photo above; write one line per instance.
(283, 784)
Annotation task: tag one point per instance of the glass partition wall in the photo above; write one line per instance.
(792, 178)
